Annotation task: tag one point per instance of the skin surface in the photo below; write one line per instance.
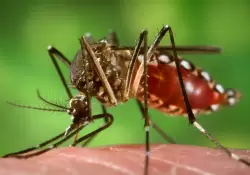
(128, 159)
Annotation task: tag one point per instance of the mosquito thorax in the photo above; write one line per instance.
(113, 64)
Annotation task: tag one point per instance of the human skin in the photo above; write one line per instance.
(129, 159)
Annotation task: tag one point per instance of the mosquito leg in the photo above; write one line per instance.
(127, 89)
(191, 116)
(156, 127)
(71, 133)
(54, 145)
(146, 116)
(52, 53)
(192, 49)
(106, 121)
(99, 71)
(111, 38)
(35, 147)
(88, 140)
(218, 145)
(150, 53)
(131, 66)
(86, 68)
(67, 137)
(110, 120)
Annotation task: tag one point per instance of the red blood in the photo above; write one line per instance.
(164, 89)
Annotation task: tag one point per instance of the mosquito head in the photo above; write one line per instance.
(79, 109)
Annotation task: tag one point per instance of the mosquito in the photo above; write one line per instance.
(155, 76)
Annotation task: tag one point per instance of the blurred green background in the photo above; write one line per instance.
(28, 27)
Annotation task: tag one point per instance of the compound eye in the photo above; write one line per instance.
(75, 102)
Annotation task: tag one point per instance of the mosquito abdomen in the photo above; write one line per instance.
(204, 94)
